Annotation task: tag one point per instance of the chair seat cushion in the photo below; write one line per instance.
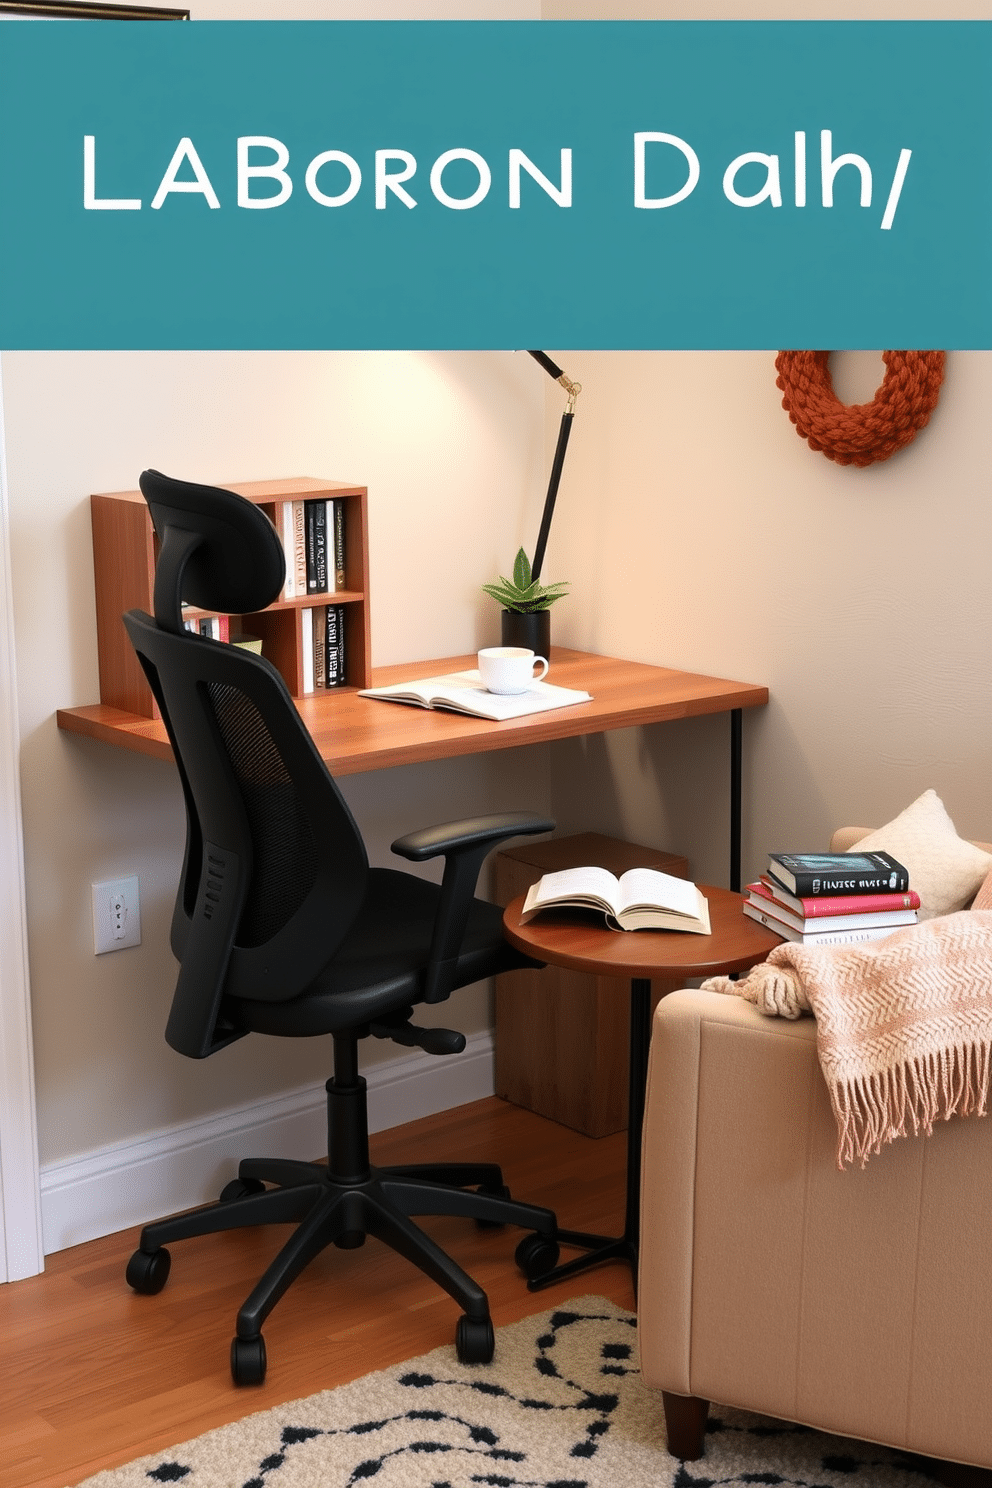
(379, 965)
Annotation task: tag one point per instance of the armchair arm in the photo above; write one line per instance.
(464, 845)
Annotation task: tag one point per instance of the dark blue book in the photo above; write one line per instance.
(340, 574)
(811, 875)
(315, 515)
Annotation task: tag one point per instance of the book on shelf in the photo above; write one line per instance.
(338, 515)
(463, 692)
(307, 649)
(641, 899)
(812, 875)
(322, 647)
(288, 547)
(835, 904)
(316, 540)
(319, 633)
(299, 548)
(818, 937)
(762, 898)
(334, 659)
(214, 627)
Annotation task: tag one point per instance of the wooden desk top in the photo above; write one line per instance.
(355, 734)
(579, 940)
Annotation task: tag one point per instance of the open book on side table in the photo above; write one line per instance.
(463, 692)
(642, 899)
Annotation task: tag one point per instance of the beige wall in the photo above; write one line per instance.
(451, 449)
(701, 532)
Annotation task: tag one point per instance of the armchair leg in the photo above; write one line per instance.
(685, 1422)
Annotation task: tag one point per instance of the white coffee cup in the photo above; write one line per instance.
(509, 669)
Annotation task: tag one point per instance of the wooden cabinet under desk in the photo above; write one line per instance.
(124, 551)
(561, 1036)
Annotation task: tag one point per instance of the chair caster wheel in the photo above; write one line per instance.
(536, 1255)
(502, 1192)
(240, 1188)
(148, 1271)
(475, 1341)
(248, 1360)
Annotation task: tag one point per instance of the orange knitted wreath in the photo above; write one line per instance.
(860, 433)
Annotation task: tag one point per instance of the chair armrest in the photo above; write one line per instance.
(464, 845)
(473, 831)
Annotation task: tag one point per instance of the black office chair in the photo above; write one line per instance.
(281, 927)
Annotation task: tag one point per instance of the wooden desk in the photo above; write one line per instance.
(355, 734)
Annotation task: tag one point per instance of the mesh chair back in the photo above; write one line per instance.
(275, 868)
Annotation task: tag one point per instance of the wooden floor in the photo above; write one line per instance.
(94, 1375)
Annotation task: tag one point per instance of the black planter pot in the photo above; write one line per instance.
(531, 631)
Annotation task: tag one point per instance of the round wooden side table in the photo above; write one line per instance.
(580, 940)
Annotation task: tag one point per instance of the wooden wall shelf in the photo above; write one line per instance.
(124, 570)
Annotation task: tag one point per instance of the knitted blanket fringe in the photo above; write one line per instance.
(875, 1109)
(904, 1024)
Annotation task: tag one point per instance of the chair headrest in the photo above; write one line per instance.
(218, 550)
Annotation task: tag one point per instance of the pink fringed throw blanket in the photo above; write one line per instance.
(904, 1024)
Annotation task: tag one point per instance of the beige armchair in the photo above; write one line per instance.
(856, 1302)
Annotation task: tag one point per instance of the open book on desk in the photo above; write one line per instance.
(642, 899)
(463, 692)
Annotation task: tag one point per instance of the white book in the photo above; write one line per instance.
(822, 937)
(299, 549)
(641, 899)
(289, 549)
(306, 621)
(463, 692)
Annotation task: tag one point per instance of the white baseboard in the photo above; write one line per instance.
(133, 1182)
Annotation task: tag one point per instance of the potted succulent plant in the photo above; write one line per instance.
(526, 617)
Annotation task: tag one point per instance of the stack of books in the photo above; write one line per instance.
(832, 898)
(313, 538)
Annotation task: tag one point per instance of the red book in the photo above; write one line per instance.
(767, 907)
(836, 904)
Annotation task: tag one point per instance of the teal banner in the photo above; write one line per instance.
(495, 185)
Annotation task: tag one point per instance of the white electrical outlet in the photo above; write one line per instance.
(116, 915)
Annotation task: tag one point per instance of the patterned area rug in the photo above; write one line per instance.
(561, 1406)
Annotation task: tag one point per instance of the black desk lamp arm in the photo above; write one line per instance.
(464, 846)
(573, 389)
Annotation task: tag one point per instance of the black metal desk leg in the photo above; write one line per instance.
(736, 731)
(600, 1248)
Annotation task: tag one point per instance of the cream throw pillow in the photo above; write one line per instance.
(944, 870)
